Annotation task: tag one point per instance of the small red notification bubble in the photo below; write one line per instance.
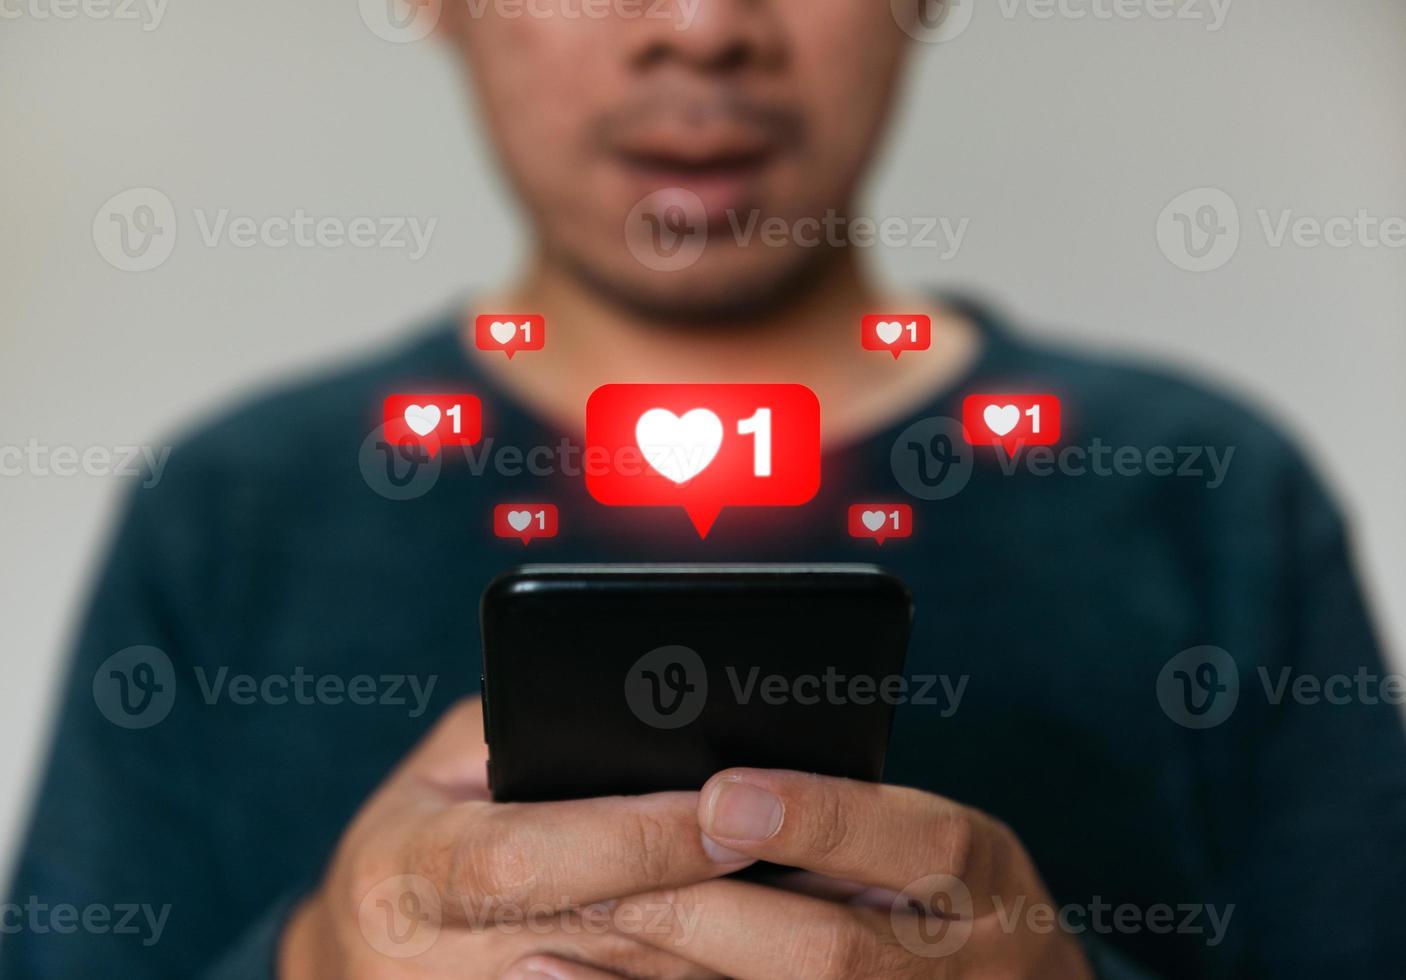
(510, 332)
(896, 332)
(433, 421)
(1011, 421)
(525, 521)
(703, 447)
(880, 522)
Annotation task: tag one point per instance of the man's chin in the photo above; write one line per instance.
(710, 295)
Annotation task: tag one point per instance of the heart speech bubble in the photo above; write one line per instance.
(510, 332)
(1011, 421)
(879, 522)
(432, 421)
(525, 521)
(703, 447)
(896, 332)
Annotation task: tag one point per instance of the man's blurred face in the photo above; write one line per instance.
(654, 140)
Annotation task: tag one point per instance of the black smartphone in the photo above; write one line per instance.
(625, 679)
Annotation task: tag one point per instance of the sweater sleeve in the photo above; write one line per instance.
(118, 868)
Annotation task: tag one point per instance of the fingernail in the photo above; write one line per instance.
(534, 970)
(721, 855)
(741, 811)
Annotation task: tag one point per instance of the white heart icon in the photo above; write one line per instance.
(679, 448)
(422, 419)
(519, 519)
(874, 519)
(889, 331)
(502, 331)
(1001, 419)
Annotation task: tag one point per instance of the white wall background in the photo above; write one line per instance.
(1062, 139)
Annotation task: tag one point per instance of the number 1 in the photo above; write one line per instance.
(759, 427)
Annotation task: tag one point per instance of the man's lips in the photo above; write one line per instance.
(717, 149)
(717, 185)
(691, 153)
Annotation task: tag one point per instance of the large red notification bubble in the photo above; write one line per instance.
(703, 447)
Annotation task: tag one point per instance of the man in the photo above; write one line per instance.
(1058, 813)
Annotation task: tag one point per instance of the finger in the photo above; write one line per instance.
(752, 932)
(555, 968)
(485, 856)
(882, 836)
(584, 965)
(453, 754)
(814, 885)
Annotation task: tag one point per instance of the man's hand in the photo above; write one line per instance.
(433, 879)
(926, 874)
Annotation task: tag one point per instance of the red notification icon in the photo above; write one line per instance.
(879, 522)
(1011, 421)
(509, 332)
(896, 332)
(703, 447)
(525, 521)
(433, 421)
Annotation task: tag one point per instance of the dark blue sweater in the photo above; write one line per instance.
(1272, 826)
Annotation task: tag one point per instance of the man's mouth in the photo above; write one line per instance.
(719, 151)
(693, 167)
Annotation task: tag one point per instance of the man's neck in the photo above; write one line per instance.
(811, 340)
